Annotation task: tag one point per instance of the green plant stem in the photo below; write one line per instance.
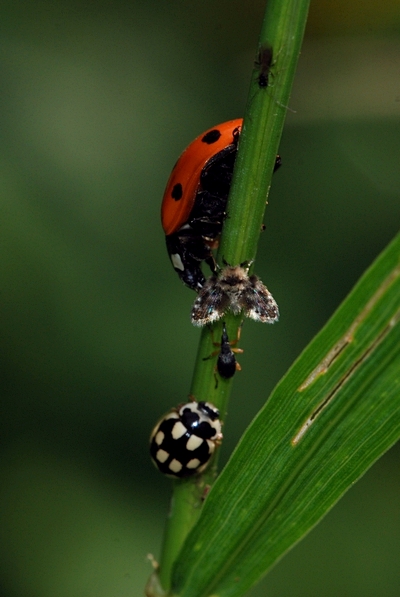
(283, 29)
(188, 494)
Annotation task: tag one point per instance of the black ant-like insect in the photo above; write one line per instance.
(227, 364)
(264, 64)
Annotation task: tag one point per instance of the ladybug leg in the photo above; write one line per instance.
(212, 264)
(247, 264)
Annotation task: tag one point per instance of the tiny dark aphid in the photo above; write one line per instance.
(264, 64)
(227, 364)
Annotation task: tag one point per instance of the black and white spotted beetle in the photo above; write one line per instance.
(183, 441)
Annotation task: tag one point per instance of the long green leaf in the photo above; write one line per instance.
(334, 413)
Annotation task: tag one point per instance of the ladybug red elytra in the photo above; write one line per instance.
(194, 202)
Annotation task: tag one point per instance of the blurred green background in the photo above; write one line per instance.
(98, 100)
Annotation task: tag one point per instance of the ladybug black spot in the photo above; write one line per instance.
(177, 192)
(211, 137)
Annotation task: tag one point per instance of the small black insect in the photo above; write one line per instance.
(264, 64)
(227, 364)
(232, 289)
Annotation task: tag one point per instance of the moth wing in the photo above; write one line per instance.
(258, 303)
(210, 304)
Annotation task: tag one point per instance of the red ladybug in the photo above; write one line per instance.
(194, 203)
(193, 207)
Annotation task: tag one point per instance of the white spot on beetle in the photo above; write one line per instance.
(162, 455)
(193, 443)
(178, 430)
(175, 466)
(193, 464)
(177, 261)
(159, 438)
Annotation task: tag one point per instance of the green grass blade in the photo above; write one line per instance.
(334, 413)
